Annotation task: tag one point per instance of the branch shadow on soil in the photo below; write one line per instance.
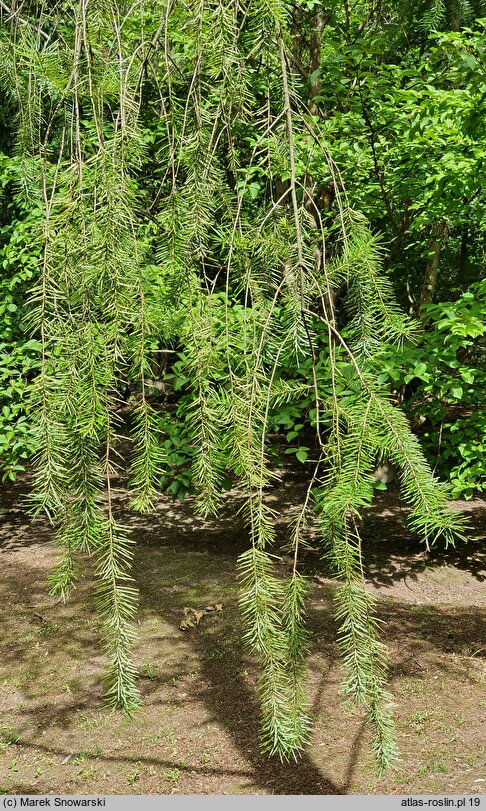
(230, 698)
(229, 695)
(233, 704)
(392, 552)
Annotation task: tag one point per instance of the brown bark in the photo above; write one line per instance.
(439, 232)
(463, 257)
(315, 43)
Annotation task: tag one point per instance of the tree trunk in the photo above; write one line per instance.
(463, 258)
(430, 278)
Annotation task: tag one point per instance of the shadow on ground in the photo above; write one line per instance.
(183, 561)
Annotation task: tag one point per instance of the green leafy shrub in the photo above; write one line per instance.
(446, 375)
(19, 354)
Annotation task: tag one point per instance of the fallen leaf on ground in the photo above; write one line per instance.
(186, 624)
(198, 615)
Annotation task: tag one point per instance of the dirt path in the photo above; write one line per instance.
(196, 731)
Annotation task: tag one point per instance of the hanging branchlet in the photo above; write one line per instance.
(85, 304)
(116, 600)
(296, 594)
(148, 460)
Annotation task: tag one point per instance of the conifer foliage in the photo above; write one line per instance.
(173, 135)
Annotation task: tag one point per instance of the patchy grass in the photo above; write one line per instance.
(197, 729)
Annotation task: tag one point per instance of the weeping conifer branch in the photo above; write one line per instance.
(213, 79)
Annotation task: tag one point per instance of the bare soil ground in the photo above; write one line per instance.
(196, 731)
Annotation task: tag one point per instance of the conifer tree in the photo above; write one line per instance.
(212, 81)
